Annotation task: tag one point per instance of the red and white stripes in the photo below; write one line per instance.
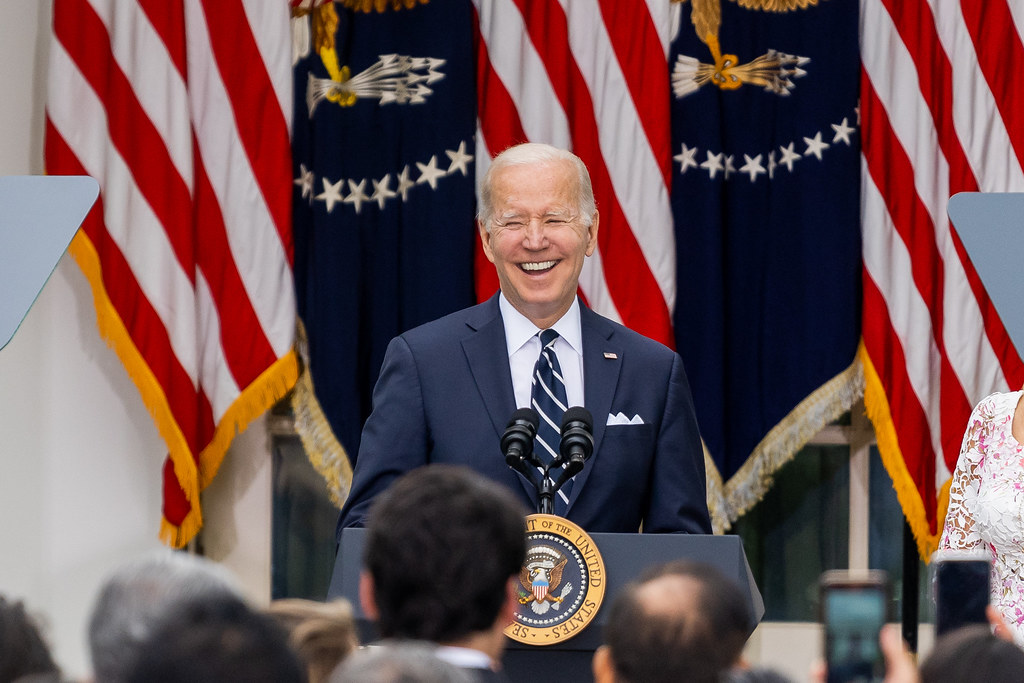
(937, 110)
(181, 111)
(591, 77)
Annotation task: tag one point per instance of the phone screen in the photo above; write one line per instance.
(961, 593)
(854, 615)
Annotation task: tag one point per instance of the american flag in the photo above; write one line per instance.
(593, 78)
(182, 111)
(941, 113)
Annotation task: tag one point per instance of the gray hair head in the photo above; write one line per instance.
(138, 594)
(398, 661)
(531, 153)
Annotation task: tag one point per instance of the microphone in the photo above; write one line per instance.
(517, 441)
(577, 442)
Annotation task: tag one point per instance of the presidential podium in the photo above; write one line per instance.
(625, 556)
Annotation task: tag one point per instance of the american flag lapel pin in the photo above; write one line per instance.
(610, 356)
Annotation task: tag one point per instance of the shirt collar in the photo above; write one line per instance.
(519, 329)
(464, 657)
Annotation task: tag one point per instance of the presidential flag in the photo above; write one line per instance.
(765, 197)
(181, 111)
(940, 114)
(384, 199)
(744, 250)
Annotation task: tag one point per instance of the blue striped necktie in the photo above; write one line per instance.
(549, 400)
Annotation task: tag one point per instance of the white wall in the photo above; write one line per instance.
(80, 460)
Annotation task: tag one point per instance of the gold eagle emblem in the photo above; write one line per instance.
(773, 70)
(393, 78)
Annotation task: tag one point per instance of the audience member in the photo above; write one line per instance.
(681, 621)
(322, 633)
(984, 511)
(900, 666)
(24, 654)
(398, 662)
(140, 592)
(444, 547)
(216, 639)
(756, 674)
(973, 653)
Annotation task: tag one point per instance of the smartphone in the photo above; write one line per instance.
(854, 607)
(960, 588)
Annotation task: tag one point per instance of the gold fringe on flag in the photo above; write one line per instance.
(322, 447)
(114, 332)
(717, 505)
(750, 483)
(272, 385)
(877, 407)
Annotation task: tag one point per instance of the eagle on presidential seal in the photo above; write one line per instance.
(540, 576)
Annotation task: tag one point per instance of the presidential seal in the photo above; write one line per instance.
(561, 583)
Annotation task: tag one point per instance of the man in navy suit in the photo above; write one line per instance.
(448, 388)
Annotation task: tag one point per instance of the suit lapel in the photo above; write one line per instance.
(602, 361)
(487, 353)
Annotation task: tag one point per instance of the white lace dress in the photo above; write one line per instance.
(986, 502)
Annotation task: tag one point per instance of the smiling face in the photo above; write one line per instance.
(537, 239)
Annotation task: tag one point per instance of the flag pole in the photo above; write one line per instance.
(911, 580)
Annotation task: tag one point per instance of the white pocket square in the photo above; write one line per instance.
(621, 419)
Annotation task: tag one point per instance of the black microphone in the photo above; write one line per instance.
(577, 442)
(517, 441)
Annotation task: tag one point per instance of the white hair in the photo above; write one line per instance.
(138, 594)
(530, 153)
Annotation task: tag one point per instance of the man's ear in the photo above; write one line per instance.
(485, 238)
(366, 599)
(592, 234)
(511, 604)
(601, 665)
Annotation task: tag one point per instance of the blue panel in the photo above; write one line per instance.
(38, 217)
(991, 227)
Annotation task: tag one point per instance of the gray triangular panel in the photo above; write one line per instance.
(38, 217)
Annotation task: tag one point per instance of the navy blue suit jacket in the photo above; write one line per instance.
(445, 396)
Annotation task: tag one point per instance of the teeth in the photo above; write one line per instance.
(542, 265)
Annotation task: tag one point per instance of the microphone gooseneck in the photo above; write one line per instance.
(575, 447)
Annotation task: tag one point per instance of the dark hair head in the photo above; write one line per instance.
(681, 621)
(442, 543)
(213, 640)
(22, 648)
(973, 653)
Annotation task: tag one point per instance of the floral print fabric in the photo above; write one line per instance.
(986, 503)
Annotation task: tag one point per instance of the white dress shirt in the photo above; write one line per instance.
(524, 348)
(464, 657)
